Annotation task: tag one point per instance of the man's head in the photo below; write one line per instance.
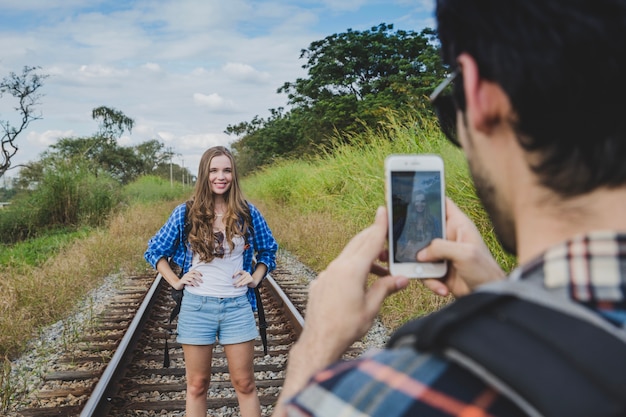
(562, 64)
(553, 74)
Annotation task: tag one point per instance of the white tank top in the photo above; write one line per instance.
(218, 275)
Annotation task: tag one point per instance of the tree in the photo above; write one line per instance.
(24, 87)
(353, 75)
(99, 156)
(112, 122)
(354, 79)
(151, 155)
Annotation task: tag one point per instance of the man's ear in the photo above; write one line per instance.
(487, 105)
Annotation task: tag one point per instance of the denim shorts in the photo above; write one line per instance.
(203, 320)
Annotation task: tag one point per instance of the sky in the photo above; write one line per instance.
(183, 70)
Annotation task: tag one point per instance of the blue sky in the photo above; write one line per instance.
(182, 69)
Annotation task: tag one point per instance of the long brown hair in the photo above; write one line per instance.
(237, 220)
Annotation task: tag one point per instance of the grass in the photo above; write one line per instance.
(32, 296)
(42, 279)
(35, 252)
(315, 206)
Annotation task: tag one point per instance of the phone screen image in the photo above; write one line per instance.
(416, 212)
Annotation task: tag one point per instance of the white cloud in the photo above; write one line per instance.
(246, 73)
(100, 71)
(182, 69)
(214, 102)
(47, 138)
(151, 66)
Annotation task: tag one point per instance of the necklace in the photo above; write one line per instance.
(219, 214)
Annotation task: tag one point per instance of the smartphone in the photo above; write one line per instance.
(415, 197)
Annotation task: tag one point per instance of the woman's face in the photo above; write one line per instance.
(419, 202)
(220, 174)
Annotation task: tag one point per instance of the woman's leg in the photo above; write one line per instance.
(198, 372)
(240, 358)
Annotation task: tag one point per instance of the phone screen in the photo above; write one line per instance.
(416, 212)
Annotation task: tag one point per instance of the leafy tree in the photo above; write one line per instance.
(354, 79)
(99, 152)
(353, 75)
(112, 122)
(151, 154)
(100, 156)
(263, 140)
(25, 88)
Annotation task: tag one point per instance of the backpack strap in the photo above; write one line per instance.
(528, 345)
(177, 295)
(257, 291)
(261, 314)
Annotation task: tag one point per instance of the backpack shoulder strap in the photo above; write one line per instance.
(177, 295)
(529, 350)
(187, 225)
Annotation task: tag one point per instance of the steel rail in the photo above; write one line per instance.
(292, 313)
(98, 404)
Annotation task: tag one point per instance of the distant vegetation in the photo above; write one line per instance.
(80, 181)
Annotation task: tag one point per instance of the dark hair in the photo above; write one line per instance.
(563, 65)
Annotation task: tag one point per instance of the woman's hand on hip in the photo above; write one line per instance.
(192, 278)
(243, 278)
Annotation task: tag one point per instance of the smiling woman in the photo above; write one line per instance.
(213, 239)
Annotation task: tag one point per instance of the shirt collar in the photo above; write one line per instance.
(589, 267)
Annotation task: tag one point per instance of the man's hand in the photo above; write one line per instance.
(341, 291)
(341, 308)
(470, 263)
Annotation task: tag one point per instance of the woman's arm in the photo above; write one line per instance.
(265, 246)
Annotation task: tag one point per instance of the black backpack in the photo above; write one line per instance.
(526, 343)
(177, 295)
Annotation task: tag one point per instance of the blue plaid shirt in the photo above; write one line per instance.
(401, 382)
(167, 243)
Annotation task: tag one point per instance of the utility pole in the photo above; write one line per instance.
(183, 172)
(171, 177)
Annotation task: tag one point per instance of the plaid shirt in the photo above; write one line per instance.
(168, 243)
(590, 270)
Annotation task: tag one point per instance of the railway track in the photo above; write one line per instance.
(117, 368)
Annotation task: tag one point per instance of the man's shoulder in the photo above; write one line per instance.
(427, 384)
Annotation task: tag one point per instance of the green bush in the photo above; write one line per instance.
(68, 196)
(16, 223)
(72, 194)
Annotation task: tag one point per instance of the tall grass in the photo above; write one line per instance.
(315, 206)
(42, 279)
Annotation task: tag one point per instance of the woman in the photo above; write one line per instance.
(218, 278)
(419, 229)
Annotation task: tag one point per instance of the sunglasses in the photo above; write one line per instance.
(445, 108)
(218, 244)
